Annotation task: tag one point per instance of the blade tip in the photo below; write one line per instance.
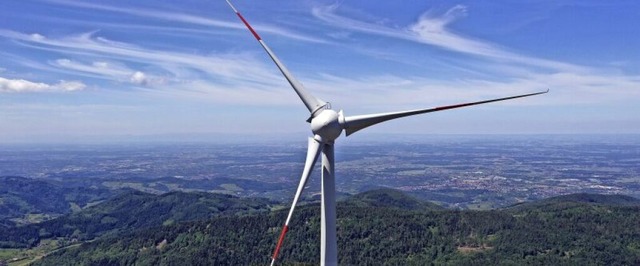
(285, 228)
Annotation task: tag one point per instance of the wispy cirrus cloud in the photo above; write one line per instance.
(190, 19)
(365, 94)
(98, 68)
(518, 73)
(224, 78)
(222, 66)
(240, 78)
(109, 71)
(431, 28)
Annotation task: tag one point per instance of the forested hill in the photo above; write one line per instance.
(20, 196)
(374, 232)
(390, 198)
(130, 211)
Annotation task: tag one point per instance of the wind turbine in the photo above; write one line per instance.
(327, 125)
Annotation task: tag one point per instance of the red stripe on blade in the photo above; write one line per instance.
(284, 231)
(255, 34)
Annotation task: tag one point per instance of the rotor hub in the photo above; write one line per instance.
(327, 124)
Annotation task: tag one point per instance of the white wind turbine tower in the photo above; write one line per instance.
(327, 125)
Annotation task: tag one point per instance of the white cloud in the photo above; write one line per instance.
(69, 86)
(138, 78)
(37, 37)
(432, 29)
(100, 68)
(109, 70)
(101, 65)
(21, 85)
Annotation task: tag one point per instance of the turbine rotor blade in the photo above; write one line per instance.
(351, 124)
(312, 103)
(313, 151)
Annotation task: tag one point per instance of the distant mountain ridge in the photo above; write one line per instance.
(580, 198)
(618, 200)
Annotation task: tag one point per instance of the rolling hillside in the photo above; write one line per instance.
(130, 211)
(372, 231)
(25, 200)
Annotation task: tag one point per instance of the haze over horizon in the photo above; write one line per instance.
(80, 69)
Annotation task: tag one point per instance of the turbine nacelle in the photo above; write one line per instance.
(328, 124)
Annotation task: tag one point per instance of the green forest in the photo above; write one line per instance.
(128, 212)
(382, 227)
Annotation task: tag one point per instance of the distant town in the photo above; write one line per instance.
(468, 172)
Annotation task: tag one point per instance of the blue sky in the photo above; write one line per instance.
(77, 69)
